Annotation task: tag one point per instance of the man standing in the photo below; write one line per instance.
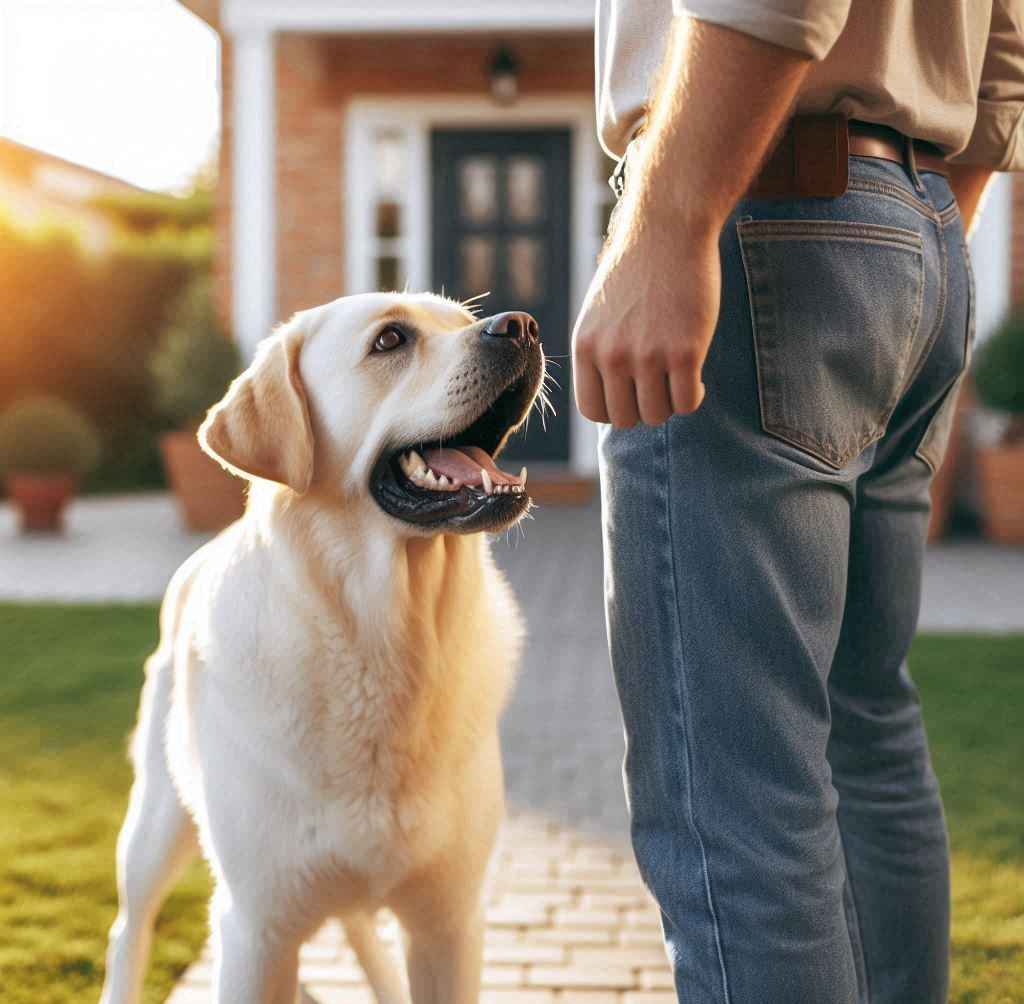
(777, 342)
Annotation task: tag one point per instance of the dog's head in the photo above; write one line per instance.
(405, 400)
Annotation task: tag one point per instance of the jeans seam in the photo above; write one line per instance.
(892, 191)
(940, 316)
(684, 712)
(921, 450)
(859, 948)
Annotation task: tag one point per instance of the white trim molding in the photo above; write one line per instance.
(406, 15)
(414, 118)
(253, 195)
(991, 255)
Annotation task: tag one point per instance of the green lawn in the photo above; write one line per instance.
(68, 692)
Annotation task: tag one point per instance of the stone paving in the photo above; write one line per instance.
(568, 918)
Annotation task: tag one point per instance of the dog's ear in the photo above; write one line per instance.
(261, 427)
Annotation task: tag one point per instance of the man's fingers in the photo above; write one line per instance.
(620, 397)
(589, 391)
(653, 396)
(687, 390)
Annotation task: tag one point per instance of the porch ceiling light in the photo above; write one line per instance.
(504, 74)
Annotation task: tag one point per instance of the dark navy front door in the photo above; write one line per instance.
(501, 226)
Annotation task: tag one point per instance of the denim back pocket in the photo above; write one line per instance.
(835, 308)
(935, 441)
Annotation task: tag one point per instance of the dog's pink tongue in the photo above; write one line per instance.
(464, 464)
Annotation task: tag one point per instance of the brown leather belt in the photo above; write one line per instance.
(812, 159)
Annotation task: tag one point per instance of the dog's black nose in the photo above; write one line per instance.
(514, 324)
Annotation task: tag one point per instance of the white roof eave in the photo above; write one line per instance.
(335, 16)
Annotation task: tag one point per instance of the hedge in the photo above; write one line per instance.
(81, 326)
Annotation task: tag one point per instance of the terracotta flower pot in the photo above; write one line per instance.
(1001, 470)
(209, 498)
(41, 499)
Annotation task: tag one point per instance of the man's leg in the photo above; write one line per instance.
(725, 556)
(728, 534)
(890, 812)
(722, 632)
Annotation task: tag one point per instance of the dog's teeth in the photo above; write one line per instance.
(416, 462)
(443, 481)
(486, 478)
(429, 477)
(522, 477)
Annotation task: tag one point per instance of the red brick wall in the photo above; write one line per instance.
(316, 78)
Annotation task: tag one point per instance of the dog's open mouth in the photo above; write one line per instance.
(454, 482)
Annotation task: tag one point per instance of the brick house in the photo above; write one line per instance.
(377, 145)
(374, 146)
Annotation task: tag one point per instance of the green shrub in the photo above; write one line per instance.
(82, 326)
(999, 368)
(44, 435)
(194, 361)
(145, 212)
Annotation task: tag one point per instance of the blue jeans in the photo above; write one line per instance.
(763, 571)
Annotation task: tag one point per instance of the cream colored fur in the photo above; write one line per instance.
(320, 716)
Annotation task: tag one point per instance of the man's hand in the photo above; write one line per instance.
(969, 184)
(646, 324)
(650, 313)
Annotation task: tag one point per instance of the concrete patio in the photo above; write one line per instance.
(568, 918)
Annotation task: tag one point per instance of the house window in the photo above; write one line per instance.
(391, 169)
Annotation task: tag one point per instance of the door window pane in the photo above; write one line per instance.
(389, 156)
(478, 189)
(477, 265)
(389, 219)
(525, 189)
(526, 269)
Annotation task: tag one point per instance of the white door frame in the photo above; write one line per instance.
(414, 118)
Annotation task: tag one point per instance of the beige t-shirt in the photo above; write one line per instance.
(947, 71)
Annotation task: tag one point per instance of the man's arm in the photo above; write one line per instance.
(969, 183)
(650, 313)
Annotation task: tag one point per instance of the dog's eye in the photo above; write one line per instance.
(388, 339)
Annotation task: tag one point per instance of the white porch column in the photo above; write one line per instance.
(990, 253)
(253, 195)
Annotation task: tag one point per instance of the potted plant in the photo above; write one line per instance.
(46, 445)
(999, 384)
(191, 368)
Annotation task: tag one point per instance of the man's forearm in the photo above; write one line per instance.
(969, 184)
(715, 114)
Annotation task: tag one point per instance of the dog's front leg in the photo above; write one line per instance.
(255, 964)
(444, 965)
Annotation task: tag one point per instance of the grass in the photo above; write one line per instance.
(68, 695)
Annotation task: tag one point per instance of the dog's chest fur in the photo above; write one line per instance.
(381, 676)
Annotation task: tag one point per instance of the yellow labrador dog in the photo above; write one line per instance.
(320, 716)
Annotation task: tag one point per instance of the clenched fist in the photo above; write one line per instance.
(647, 321)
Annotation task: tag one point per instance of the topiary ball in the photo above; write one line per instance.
(999, 368)
(46, 435)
